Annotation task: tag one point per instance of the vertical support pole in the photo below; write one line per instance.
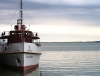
(21, 18)
(21, 13)
(11, 26)
(29, 27)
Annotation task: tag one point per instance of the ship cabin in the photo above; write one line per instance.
(20, 36)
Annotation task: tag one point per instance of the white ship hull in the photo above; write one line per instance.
(21, 56)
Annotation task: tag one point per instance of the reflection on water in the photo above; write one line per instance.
(70, 63)
(4, 71)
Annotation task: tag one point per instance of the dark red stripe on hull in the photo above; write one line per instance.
(23, 68)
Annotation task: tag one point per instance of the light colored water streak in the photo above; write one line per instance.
(70, 63)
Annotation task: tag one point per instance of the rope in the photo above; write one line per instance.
(12, 16)
(28, 14)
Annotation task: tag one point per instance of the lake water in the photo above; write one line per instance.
(64, 59)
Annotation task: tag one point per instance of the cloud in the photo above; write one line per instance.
(69, 2)
(73, 18)
(50, 4)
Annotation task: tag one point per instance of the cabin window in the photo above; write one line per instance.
(35, 40)
(4, 41)
(12, 33)
(29, 34)
(16, 37)
(32, 40)
(25, 34)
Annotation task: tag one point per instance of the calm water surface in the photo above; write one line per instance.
(64, 59)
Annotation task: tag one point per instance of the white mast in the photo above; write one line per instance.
(20, 20)
(21, 12)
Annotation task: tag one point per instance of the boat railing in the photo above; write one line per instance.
(5, 33)
(35, 33)
(38, 43)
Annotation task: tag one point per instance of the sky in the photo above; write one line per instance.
(55, 20)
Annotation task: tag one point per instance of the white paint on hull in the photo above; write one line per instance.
(31, 47)
(31, 59)
(20, 59)
(20, 54)
(11, 59)
(21, 47)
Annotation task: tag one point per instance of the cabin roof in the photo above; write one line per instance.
(35, 37)
(7, 36)
(20, 31)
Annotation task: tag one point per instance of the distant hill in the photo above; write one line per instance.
(97, 41)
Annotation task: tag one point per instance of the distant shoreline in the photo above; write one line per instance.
(74, 42)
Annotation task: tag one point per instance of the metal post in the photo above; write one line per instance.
(21, 13)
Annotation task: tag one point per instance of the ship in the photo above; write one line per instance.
(20, 48)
